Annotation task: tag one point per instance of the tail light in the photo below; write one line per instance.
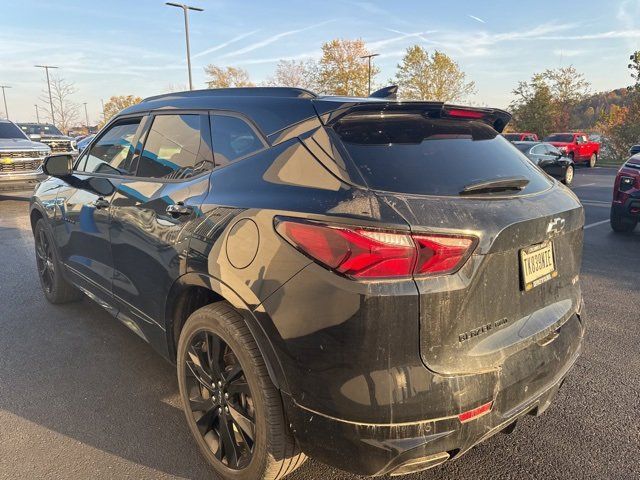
(464, 113)
(475, 413)
(366, 253)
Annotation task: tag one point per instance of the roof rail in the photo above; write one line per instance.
(286, 92)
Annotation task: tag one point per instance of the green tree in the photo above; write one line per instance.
(117, 103)
(424, 76)
(226, 77)
(533, 108)
(342, 71)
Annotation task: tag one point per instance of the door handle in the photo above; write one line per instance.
(179, 209)
(100, 203)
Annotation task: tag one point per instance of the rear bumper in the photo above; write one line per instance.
(527, 385)
(21, 181)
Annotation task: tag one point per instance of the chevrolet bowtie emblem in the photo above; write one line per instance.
(556, 226)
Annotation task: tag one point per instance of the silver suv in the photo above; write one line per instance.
(20, 158)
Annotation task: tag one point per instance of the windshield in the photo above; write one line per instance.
(410, 153)
(40, 129)
(9, 130)
(560, 137)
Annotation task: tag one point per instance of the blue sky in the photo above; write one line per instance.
(137, 47)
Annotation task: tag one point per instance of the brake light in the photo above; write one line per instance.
(460, 113)
(475, 413)
(365, 253)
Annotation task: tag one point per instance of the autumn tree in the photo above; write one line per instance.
(226, 77)
(568, 87)
(621, 125)
(533, 108)
(342, 70)
(435, 76)
(292, 73)
(117, 103)
(65, 110)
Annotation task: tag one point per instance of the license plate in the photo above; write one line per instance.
(537, 265)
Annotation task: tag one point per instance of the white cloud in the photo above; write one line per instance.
(477, 19)
(225, 44)
(272, 39)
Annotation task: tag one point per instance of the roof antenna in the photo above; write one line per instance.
(390, 93)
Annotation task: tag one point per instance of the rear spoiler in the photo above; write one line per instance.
(330, 110)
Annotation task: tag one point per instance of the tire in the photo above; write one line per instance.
(568, 176)
(593, 159)
(272, 453)
(55, 287)
(621, 223)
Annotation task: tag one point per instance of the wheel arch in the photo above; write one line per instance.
(194, 290)
(34, 215)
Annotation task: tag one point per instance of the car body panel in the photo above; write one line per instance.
(376, 368)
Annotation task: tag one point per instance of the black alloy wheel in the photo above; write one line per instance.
(45, 261)
(220, 399)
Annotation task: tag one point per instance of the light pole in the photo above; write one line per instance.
(4, 96)
(369, 57)
(185, 9)
(37, 114)
(86, 116)
(46, 69)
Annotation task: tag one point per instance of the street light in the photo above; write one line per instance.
(369, 57)
(185, 9)
(4, 96)
(37, 114)
(86, 116)
(46, 68)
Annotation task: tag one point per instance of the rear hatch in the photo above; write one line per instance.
(455, 175)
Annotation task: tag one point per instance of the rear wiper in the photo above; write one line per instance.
(504, 184)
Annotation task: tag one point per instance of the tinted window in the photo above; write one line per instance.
(113, 152)
(232, 138)
(560, 137)
(551, 150)
(172, 146)
(9, 130)
(512, 137)
(410, 153)
(523, 147)
(539, 150)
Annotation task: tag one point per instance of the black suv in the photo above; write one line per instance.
(376, 284)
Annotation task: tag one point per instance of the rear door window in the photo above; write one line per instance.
(232, 138)
(411, 153)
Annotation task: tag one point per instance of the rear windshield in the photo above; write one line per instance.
(410, 153)
(512, 136)
(560, 137)
(40, 129)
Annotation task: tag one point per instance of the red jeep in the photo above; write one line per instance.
(577, 146)
(625, 209)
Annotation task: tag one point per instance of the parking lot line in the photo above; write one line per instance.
(595, 224)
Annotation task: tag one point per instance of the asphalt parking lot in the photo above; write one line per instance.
(82, 397)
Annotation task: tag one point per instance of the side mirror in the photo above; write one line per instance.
(58, 165)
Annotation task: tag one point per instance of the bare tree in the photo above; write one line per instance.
(66, 111)
(292, 73)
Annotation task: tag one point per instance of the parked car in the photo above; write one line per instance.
(634, 150)
(625, 208)
(20, 158)
(576, 146)
(378, 292)
(521, 137)
(550, 159)
(50, 136)
(82, 144)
